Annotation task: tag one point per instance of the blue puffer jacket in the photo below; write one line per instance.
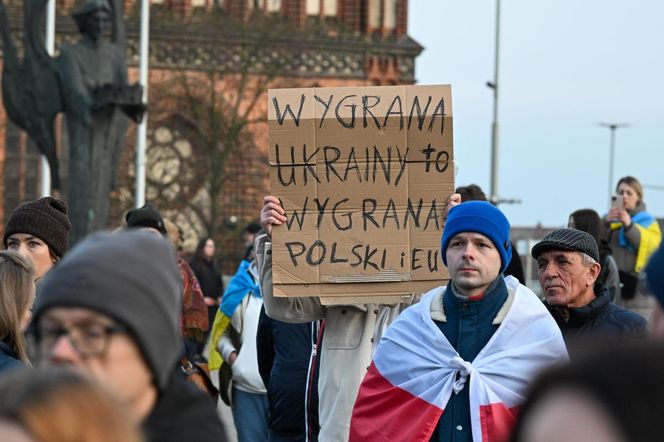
(8, 359)
(599, 319)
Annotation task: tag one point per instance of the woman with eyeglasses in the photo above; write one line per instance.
(17, 292)
(39, 230)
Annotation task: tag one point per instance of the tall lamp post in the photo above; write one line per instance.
(141, 132)
(612, 149)
(45, 181)
(494, 126)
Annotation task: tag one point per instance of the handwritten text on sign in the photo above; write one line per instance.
(363, 174)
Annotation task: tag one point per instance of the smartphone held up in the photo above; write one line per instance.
(617, 201)
(617, 204)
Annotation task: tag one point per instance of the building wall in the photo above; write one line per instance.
(324, 44)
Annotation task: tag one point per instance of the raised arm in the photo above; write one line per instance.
(304, 309)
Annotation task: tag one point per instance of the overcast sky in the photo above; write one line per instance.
(565, 66)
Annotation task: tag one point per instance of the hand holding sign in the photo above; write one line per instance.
(272, 213)
(452, 201)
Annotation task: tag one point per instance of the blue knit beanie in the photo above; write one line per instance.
(655, 275)
(479, 217)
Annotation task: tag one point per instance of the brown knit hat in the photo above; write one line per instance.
(46, 218)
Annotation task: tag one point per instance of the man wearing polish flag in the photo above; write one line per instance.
(455, 367)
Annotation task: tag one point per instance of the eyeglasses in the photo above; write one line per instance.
(89, 340)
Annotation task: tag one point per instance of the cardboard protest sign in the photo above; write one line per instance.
(363, 175)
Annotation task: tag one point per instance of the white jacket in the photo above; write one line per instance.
(349, 340)
(245, 368)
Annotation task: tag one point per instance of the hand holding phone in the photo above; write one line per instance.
(617, 202)
(618, 212)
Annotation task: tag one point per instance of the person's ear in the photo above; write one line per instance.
(593, 273)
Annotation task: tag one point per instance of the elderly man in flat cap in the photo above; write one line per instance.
(567, 261)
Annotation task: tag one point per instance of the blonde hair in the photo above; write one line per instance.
(60, 405)
(17, 292)
(633, 183)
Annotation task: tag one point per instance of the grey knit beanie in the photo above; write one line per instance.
(131, 276)
(46, 218)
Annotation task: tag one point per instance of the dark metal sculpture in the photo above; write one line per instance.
(88, 82)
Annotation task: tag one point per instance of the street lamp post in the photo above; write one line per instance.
(612, 149)
(49, 40)
(494, 126)
(142, 130)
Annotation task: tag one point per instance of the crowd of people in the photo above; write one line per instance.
(106, 341)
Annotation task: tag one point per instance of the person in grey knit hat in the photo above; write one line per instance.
(111, 309)
(567, 261)
(39, 230)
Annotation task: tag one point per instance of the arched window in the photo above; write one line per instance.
(389, 15)
(374, 15)
(256, 4)
(265, 5)
(330, 8)
(313, 7)
(322, 8)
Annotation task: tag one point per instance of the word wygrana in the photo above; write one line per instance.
(341, 168)
(370, 215)
(367, 105)
(363, 255)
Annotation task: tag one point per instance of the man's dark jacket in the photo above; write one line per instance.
(599, 319)
(290, 374)
(183, 413)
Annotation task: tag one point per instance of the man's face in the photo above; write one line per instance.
(114, 357)
(565, 279)
(473, 262)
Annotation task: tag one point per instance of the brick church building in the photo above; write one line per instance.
(211, 62)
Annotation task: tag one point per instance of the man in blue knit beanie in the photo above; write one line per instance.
(456, 366)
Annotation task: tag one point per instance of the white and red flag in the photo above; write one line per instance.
(416, 370)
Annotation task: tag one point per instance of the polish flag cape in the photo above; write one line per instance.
(414, 372)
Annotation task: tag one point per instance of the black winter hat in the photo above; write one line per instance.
(130, 276)
(146, 216)
(570, 240)
(46, 218)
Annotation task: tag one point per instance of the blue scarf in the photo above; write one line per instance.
(241, 284)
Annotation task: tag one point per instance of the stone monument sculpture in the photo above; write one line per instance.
(88, 82)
